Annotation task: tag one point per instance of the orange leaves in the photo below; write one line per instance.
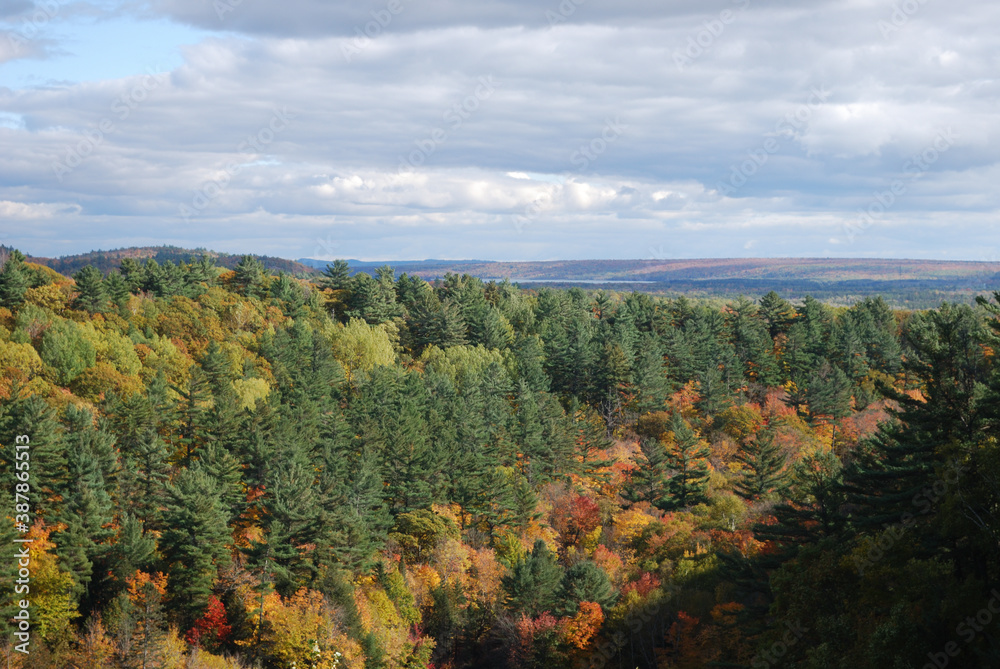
(579, 630)
(137, 581)
(573, 517)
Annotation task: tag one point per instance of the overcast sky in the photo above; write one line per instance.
(502, 129)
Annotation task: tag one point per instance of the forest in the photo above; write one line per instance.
(234, 468)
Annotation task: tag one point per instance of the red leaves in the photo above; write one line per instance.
(574, 517)
(212, 627)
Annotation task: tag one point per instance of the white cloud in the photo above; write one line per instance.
(383, 143)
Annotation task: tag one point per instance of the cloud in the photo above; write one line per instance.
(465, 126)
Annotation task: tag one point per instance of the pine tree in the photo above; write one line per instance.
(648, 481)
(194, 542)
(829, 395)
(251, 279)
(133, 274)
(652, 386)
(687, 460)
(373, 300)
(777, 313)
(88, 509)
(118, 290)
(289, 293)
(533, 584)
(528, 362)
(812, 512)
(585, 582)
(336, 276)
(132, 550)
(14, 281)
(93, 295)
(192, 414)
(763, 472)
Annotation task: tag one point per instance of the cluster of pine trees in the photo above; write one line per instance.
(234, 469)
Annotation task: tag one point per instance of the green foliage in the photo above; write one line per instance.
(92, 293)
(532, 587)
(67, 351)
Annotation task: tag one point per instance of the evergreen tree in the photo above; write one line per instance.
(118, 290)
(251, 278)
(289, 293)
(194, 542)
(93, 295)
(373, 300)
(687, 460)
(133, 274)
(648, 482)
(14, 280)
(778, 313)
(532, 587)
(829, 394)
(763, 472)
(585, 582)
(652, 385)
(336, 276)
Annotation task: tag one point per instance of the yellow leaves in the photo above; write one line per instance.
(300, 631)
(422, 579)
(50, 587)
(459, 362)
(51, 296)
(20, 357)
(93, 383)
(630, 523)
(741, 421)
(591, 539)
(485, 574)
(250, 391)
(509, 548)
(362, 347)
(451, 558)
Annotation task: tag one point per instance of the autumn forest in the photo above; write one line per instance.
(242, 468)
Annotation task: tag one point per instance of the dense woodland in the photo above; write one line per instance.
(236, 469)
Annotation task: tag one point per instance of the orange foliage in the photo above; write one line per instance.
(579, 630)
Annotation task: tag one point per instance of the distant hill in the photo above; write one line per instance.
(914, 284)
(109, 260)
(905, 283)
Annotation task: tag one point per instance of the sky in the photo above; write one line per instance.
(502, 129)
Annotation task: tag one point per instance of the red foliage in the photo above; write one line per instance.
(212, 627)
(645, 585)
(574, 517)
